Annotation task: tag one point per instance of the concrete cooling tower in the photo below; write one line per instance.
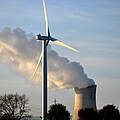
(84, 98)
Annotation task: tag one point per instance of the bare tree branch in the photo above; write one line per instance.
(14, 106)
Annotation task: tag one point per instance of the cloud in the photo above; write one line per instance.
(22, 51)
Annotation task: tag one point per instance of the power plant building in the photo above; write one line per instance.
(84, 98)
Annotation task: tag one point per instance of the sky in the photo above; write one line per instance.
(91, 26)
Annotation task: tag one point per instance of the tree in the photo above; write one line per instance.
(88, 114)
(109, 112)
(58, 112)
(14, 107)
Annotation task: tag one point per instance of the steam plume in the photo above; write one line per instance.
(21, 50)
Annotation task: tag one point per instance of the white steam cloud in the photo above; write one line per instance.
(22, 51)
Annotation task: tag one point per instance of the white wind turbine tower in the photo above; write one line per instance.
(45, 41)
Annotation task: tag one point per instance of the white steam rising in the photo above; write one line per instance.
(22, 51)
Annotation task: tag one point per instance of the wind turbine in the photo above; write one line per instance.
(45, 41)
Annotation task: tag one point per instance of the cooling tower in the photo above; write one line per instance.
(84, 98)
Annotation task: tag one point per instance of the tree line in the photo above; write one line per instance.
(108, 112)
(16, 107)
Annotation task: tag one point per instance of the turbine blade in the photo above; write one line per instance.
(46, 19)
(64, 45)
(47, 42)
(40, 58)
(48, 32)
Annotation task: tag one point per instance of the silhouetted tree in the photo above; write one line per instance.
(88, 114)
(14, 107)
(109, 112)
(58, 112)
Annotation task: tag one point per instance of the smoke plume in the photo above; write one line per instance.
(21, 51)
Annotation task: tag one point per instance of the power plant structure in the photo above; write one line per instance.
(84, 98)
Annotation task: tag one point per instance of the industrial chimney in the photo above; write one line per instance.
(84, 98)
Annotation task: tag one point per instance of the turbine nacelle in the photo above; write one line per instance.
(39, 37)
